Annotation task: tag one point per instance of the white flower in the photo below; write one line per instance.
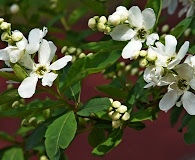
(42, 70)
(188, 8)
(138, 30)
(179, 89)
(171, 5)
(166, 54)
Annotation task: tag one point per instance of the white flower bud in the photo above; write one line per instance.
(110, 114)
(143, 53)
(114, 19)
(122, 109)
(143, 62)
(32, 120)
(107, 30)
(101, 27)
(126, 116)
(110, 109)
(134, 71)
(128, 68)
(151, 56)
(116, 124)
(17, 36)
(43, 158)
(187, 32)
(71, 50)
(111, 100)
(82, 55)
(5, 26)
(116, 104)
(63, 50)
(89, 54)
(135, 54)
(78, 51)
(5, 36)
(116, 115)
(102, 19)
(165, 28)
(73, 59)
(1, 20)
(14, 8)
(15, 104)
(92, 23)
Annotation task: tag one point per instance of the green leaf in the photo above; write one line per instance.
(9, 76)
(20, 71)
(13, 154)
(184, 122)
(103, 46)
(192, 50)
(181, 27)
(76, 14)
(113, 91)
(156, 6)
(38, 134)
(73, 91)
(137, 125)
(33, 107)
(142, 115)
(89, 65)
(136, 92)
(59, 134)
(189, 137)
(114, 138)
(94, 105)
(175, 114)
(96, 136)
(5, 136)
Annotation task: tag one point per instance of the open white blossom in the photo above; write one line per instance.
(166, 54)
(137, 31)
(188, 8)
(178, 91)
(42, 70)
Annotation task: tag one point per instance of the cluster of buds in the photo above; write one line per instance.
(76, 53)
(118, 113)
(100, 23)
(8, 35)
(19, 103)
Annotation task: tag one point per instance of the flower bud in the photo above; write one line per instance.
(122, 109)
(63, 50)
(24, 122)
(110, 109)
(17, 36)
(92, 23)
(135, 54)
(71, 50)
(89, 54)
(14, 8)
(116, 104)
(116, 124)
(151, 56)
(114, 19)
(82, 55)
(134, 71)
(143, 53)
(110, 114)
(187, 32)
(73, 59)
(102, 19)
(116, 115)
(5, 26)
(1, 20)
(43, 158)
(32, 120)
(165, 28)
(5, 36)
(15, 104)
(126, 116)
(101, 27)
(107, 30)
(78, 51)
(127, 68)
(143, 62)
(111, 100)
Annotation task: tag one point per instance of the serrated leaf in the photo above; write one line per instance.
(94, 106)
(114, 138)
(13, 154)
(59, 134)
(142, 115)
(181, 27)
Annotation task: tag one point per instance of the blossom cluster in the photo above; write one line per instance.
(164, 65)
(21, 52)
(118, 113)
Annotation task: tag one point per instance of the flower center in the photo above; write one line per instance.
(182, 84)
(170, 59)
(41, 70)
(141, 33)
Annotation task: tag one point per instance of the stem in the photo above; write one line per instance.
(65, 24)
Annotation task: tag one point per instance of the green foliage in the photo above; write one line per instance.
(13, 153)
(19, 71)
(192, 49)
(189, 137)
(175, 114)
(94, 106)
(114, 138)
(55, 139)
(7, 137)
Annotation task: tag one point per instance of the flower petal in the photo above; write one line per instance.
(192, 84)
(122, 33)
(152, 38)
(22, 44)
(53, 50)
(60, 63)
(170, 45)
(168, 100)
(130, 48)
(172, 7)
(44, 52)
(188, 100)
(149, 18)
(3, 54)
(48, 79)
(135, 17)
(27, 61)
(183, 50)
(27, 87)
